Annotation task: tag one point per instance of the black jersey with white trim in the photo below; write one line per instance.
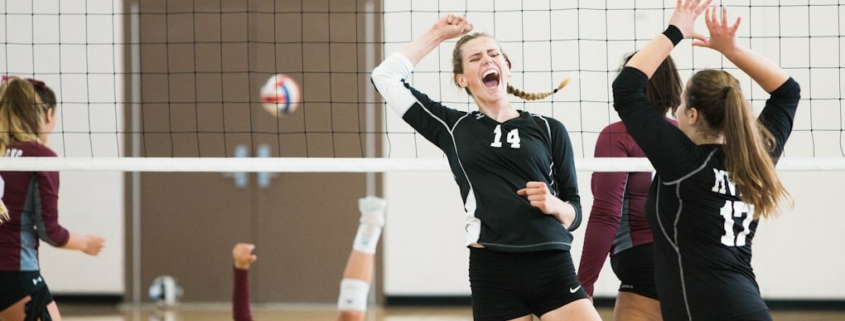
(702, 229)
(490, 161)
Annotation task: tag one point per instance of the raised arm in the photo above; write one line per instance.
(430, 118)
(389, 76)
(243, 257)
(780, 109)
(766, 73)
(680, 26)
(450, 26)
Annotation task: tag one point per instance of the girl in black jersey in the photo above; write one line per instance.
(516, 176)
(715, 172)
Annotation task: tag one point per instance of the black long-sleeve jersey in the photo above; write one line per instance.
(702, 229)
(490, 161)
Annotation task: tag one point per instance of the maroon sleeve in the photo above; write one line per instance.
(608, 189)
(47, 224)
(240, 296)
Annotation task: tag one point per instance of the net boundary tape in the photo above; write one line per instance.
(328, 165)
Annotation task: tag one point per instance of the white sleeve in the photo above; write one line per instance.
(388, 79)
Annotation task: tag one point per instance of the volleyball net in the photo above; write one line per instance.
(174, 85)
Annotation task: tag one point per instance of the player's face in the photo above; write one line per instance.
(682, 117)
(48, 125)
(485, 69)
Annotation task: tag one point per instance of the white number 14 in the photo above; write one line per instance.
(512, 138)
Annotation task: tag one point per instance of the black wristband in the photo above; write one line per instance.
(674, 34)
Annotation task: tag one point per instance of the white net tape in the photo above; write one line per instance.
(349, 165)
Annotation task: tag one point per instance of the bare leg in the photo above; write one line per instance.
(349, 315)
(635, 307)
(358, 267)
(16, 312)
(358, 274)
(576, 310)
(54, 311)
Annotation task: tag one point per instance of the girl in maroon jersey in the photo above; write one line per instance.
(617, 223)
(27, 117)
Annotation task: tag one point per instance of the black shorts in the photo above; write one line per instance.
(757, 316)
(16, 285)
(510, 285)
(635, 269)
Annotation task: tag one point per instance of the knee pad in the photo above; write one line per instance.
(353, 295)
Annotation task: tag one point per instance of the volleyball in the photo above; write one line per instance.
(165, 291)
(280, 95)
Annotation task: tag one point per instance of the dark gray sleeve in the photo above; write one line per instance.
(564, 169)
(779, 113)
(669, 150)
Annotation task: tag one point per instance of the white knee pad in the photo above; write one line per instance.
(353, 295)
(366, 240)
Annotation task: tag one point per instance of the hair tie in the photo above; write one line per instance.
(37, 83)
(725, 92)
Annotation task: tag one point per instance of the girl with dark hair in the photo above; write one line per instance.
(617, 224)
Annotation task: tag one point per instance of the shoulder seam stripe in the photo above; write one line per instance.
(454, 144)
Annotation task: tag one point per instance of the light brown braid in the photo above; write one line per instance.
(536, 96)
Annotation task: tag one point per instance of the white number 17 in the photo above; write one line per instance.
(733, 210)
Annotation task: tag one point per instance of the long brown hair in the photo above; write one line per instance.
(21, 116)
(458, 68)
(663, 90)
(748, 145)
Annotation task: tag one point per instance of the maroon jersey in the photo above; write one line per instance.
(32, 199)
(617, 220)
(240, 296)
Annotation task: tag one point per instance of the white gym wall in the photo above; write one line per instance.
(76, 50)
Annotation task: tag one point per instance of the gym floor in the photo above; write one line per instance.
(222, 312)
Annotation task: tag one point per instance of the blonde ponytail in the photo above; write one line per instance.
(536, 96)
(21, 115)
(4, 212)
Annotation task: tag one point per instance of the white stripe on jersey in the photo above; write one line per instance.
(552, 185)
(674, 240)
(389, 78)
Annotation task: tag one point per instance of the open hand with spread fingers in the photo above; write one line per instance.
(686, 11)
(722, 34)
